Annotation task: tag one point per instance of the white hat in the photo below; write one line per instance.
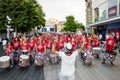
(68, 46)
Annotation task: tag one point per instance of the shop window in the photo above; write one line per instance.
(96, 12)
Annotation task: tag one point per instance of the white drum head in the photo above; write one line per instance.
(96, 48)
(24, 56)
(24, 50)
(4, 58)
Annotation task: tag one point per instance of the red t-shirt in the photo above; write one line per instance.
(48, 45)
(31, 44)
(35, 39)
(110, 44)
(69, 39)
(96, 42)
(25, 46)
(9, 50)
(56, 46)
(16, 44)
(74, 45)
(65, 39)
(40, 47)
(86, 39)
(61, 45)
(88, 46)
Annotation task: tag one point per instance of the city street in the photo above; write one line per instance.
(96, 71)
(16, 73)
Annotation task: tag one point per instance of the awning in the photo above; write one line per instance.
(112, 20)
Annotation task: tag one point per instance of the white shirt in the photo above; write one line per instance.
(68, 63)
(100, 36)
(4, 42)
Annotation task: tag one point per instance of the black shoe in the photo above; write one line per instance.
(111, 63)
(103, 62)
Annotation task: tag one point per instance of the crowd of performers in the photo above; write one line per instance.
(35, 46)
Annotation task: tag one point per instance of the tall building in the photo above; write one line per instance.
(105, 17)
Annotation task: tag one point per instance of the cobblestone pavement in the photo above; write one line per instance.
(16, 73)
(96, 71)
(31, 73)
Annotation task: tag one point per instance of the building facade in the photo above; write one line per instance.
(105, 17)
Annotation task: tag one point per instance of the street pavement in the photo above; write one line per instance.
(96, 71)
(17, 73)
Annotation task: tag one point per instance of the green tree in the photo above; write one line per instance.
(72, 25)
(25, 14)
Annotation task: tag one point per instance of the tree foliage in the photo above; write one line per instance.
(72, 25)
(25, 14)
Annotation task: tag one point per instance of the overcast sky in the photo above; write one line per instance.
(59, 9)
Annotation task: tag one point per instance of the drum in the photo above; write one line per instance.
(53, 58)
(4, 61)
(96, 50)
(25, 51)
(24, 60)
(39, 59)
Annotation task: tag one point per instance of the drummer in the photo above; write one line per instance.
(25, 47)
(40, 47)
(9, 52)
(96, 42)
(32, 47)
(16, 43)
(88, 47)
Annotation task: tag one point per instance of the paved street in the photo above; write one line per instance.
(96, 71)
(17, 73)
(31, 73)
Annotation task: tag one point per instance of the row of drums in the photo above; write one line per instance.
(39, 58)
(24, 60)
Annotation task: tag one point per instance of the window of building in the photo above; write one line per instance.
(103, 12)
(112, 8)
(119, 7)
(96, 12)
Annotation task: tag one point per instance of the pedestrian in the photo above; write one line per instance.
(0, 42)
(4, 43)
(68, 58)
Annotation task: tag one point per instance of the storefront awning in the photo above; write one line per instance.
(112, 20)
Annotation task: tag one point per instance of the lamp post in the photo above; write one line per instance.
(8, 26)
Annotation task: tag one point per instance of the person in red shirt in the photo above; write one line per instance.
(9, 52)
(9, 49)
(32, 49)
(88, 48)
(16, 52)
(31, 43)
(40, 47)
(16, 43)
(110, 43)
(61, 44)
(40, 52)
(25, 47)
(74, 44)
(96, 42)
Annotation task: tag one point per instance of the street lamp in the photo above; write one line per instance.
(8, 26)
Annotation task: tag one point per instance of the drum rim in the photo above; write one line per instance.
(4, 58)
(24, 56)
